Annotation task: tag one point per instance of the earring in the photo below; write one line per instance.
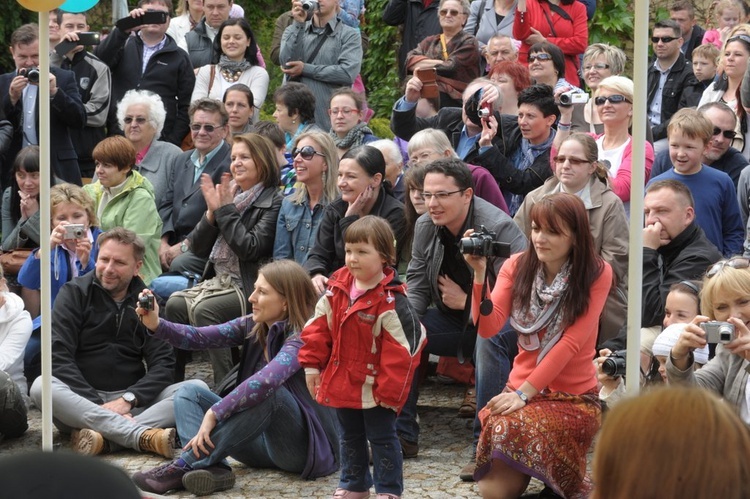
(325, 177)
(294, 121)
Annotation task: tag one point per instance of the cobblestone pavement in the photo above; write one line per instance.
(445, 447)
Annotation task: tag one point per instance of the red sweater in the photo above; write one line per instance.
(568, 367)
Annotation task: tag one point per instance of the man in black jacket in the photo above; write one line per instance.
(671, 82)
(151, 60)
(112, 380)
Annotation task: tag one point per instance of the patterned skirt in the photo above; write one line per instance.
(547, 439)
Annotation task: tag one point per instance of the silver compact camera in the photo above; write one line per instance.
(570, 98)
(74, 231)
(718, 332)
(310, 5)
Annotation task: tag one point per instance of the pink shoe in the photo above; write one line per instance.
(349, 494)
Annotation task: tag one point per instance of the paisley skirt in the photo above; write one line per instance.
(547, 439)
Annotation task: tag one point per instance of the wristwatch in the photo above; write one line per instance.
(522, 396)
(129, 397)
(184, 246)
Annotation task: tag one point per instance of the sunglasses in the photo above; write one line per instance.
(540, 56)
(452, 12)
(598, 67)
(306, 152)
(727, 134)
(614, 99)
(736, 262)
(573, 161)
(196, 127)
(663, 39)
(743, 38)
(129, 119)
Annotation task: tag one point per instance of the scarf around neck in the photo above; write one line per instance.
(353, 138)
(542, 312)
(233, 66)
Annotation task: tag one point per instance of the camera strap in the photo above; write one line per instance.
(485, 308)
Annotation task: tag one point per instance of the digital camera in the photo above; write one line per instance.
(146, 302)
(74, 231)
(309, 5)
(31, 73)
(570, 98)
(475, 111)
(614, 364)
(718, 332)
(482, 243)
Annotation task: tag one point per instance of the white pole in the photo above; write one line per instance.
(635, 261)
(44, 229)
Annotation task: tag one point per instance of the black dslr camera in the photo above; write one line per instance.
(32, 74)
(482, 243)
(614, 364)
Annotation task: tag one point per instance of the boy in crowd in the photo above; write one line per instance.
(705, 59)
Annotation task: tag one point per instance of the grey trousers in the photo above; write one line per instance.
(71, 411)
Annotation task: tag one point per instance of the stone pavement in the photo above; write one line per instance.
(445, 447)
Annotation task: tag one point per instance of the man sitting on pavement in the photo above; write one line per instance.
(111, 384)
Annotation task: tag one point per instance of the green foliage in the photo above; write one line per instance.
(381, 127)
(613, 23)
(380, 67)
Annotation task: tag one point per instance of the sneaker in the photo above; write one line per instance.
(349, 494)
(161, 479)
(209, 480)
(468, 407)
(159, 441)
(467, 472)
(409, 449)
(88, 442)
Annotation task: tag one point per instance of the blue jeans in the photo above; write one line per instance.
(272, 434)
(378, 425)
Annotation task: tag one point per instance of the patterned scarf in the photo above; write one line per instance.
(542, 312)
(353, 138)
(233, 66)
(224, 259)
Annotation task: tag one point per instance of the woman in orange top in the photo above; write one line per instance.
(544, 421)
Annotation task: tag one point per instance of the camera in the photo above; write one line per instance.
(570, 98)
(718, 332)
(74, 231)
(614, 364)
(310, 5)
(482, 243)
(31, 73)
(146, 302)
(475, 111)
(484, 112)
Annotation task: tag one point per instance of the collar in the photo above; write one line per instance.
(117, 189)
(667, 70)
(195, 156)
(329, 27)
(157, 46)
(528, 146)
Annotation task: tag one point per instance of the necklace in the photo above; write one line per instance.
(231, 76)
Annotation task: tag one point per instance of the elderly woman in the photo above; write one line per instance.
(614, 103)
(235, 61)
(346, 110)
(141, 116)
(599, 61)
(578, 171)
(295, 110)
(511, 77)
(125, 198)
(454, 54)
(394, 166)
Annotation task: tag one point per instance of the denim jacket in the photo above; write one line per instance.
(296, 229)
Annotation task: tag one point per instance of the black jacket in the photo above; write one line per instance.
(200, 47)
(696, 39)
(419, 23)
(680, 90)
(686, 257)
(98, 346)
(168, 74)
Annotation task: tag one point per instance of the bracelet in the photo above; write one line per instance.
(563, 126)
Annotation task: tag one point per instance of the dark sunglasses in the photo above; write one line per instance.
(737, 262)
(614, 99)
(196, 127)
(307, 152)
(663, 39)
(452, 12)
(541, 56)
(728, 134)
(743, 38)
(129, 119)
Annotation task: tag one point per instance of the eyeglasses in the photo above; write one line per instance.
(663, 39)
(598, 67)
(346, 110)
(573, 161)
(743, 38)
(541, 56)
(737, 262)
(452, 12)
(727, 134)
(307, 152)
(196, 127)
(614, 99)
(439, 196)
(129, 119)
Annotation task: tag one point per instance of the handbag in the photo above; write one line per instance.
(216, 286)
(13, 260)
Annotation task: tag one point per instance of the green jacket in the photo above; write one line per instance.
(133, 208)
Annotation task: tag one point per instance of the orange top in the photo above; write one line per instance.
(568, 367)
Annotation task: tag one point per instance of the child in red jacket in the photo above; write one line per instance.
(360, 352)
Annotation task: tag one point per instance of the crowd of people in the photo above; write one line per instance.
(320, 265)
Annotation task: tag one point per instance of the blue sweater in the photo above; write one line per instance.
(716, 208)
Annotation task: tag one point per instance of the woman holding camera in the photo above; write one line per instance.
(726, 298)
(543, 423)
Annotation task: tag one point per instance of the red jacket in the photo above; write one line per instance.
(367, 350)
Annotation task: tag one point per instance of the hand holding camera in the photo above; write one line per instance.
(148, 309)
